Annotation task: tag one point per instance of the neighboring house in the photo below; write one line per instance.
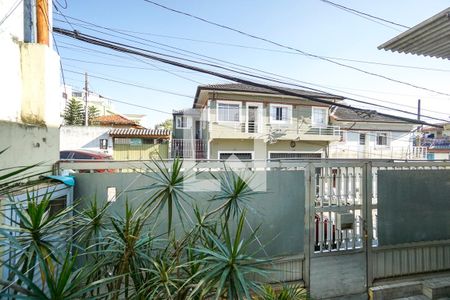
(436, 140)
(103, 105)
(93, 138)
(187, 134)
(116, 120)
(370, 135)
(255, 123)
(140, 143)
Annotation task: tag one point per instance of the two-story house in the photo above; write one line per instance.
(436, 140)
(368, 134)
(254, 123)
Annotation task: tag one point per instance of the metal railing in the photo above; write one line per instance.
(189, 148)
(275, 128)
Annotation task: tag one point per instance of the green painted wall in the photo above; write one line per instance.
(279, 210)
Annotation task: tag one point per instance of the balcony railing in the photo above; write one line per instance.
(441, 143)
(186, 148)
(289, 131)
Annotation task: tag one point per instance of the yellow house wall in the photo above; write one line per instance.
(261, 149)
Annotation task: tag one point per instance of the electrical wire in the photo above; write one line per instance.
(265, 78)
(246, 74)
(132, 84)
(132, 50)
(364, 15)
(258, 48)
(296, 49)
(10, 12)
(327, 87)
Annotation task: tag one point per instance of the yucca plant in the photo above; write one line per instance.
(167, 188)
(228, 265)
(35, 233)
(235, 193)
(64, 282)
(129, 251)
(287, 292)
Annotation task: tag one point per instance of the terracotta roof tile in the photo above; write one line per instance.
(114, 119)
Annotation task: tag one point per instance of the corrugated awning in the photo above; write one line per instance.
(429, 38)
(143, 133)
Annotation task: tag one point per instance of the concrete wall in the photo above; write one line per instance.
(281, 217)
(28, 144)
(88, 138)
(30, 96)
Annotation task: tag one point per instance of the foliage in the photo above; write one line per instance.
(164, 248)
(93, 113)
(167, 124)
(287, 292)
(74, 113)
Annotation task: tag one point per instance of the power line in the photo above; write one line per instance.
(260, 48)
(131, 50)
(246, 73)
(132, 84)
(234, 64)
(363, 14)
(10, 12)
(156, 69)
(295, 49)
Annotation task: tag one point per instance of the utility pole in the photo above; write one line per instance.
(86, 113)
(418, 109)
(42, 22)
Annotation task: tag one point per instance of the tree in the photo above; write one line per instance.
(93, 113)
(74, 113)
(167, 124)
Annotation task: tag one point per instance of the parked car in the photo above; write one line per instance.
(84, 155)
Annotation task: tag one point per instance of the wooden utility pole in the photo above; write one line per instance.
(86, 113)
(42, 22)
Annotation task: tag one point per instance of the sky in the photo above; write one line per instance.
(308, 25)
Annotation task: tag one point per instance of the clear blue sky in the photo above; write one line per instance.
(309, 25)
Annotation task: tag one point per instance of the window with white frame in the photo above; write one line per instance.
(183, 122)
(228, 112)
(319, 116)
(280, 113)
(382, 139)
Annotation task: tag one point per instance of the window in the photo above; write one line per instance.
(319, 116)
(77, 94)
(64, 95)
(103, 143)
(228, 112)
(183, 122)
(362, 138)
(382, 139)
(280, 113)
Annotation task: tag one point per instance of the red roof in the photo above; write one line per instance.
(114, 120)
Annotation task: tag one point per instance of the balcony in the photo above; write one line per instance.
(273, 132)
(432, 143)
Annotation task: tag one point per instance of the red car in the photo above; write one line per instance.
(84, 155)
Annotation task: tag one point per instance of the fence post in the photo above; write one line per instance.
(308, 219)
(368, 222)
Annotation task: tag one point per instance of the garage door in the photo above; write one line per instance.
(239, 155)
(293, 155)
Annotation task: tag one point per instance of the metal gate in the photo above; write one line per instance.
(338, 228)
